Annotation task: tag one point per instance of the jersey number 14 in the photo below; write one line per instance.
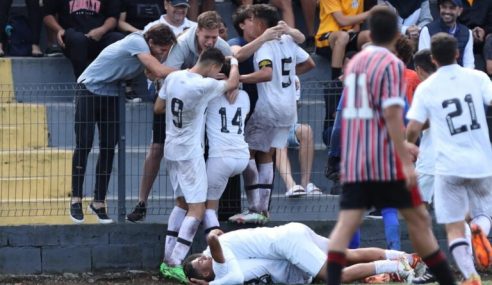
(236, 121)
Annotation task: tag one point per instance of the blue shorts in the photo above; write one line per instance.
(293, 141)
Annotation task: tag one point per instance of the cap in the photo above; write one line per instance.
(180, 3)
(455, 2)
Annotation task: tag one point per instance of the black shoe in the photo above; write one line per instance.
(101, 214)
(332, 168)
(76, 213)
(138, 214)
(309, 44)
(376, 214)
(428, 277)
(53, 51)
(132, 97)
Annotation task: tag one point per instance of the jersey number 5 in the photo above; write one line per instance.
(356, 84)
(236, 121)
(177, 111)
(459, 110)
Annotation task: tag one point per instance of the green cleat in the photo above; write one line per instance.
(174, 273)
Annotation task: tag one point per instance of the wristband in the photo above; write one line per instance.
(234, 61)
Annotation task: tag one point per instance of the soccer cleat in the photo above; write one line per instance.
(378, 279)
(249, 217)
(405, 271)
(474, 279)
(482, 250)
(173, 273)
(426, 278)
(418, 265)
(138, 214)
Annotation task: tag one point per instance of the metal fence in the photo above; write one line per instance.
(37, 140)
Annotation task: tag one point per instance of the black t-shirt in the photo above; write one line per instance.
(141, 12)
(82, 15)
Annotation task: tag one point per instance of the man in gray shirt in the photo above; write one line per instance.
(97, 103)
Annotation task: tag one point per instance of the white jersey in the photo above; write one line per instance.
(427, 155)
(225, 126)
(177, 30)
(276, 104)
(452, 100)
(187, 95)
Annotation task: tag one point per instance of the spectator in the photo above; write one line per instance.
(223, 31)
(477, 16)
(84, 28)
(412, 16)
(97, 103)
(175, 19)
(200, 6)
(34, 15)
(449, 10)
(134, 15)
(300, 135)
(404, 51)
(339, 31)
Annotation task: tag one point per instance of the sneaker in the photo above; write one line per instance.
(482, 250)
(53, 51)
(474, 279)
(427, 277)
(76, 213)
(418, 265)
(312, 189)
(132, 97)
(101, 214)
(249, 217)
(376, 215)
(405, 271)
(138, 214)
(295, 192)
(173, 273)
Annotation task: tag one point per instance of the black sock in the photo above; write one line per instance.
(335, 73)
(439, 266)
(336, 263)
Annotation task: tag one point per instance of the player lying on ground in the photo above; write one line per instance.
(289, 254)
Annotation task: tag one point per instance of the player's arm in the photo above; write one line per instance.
(413, 130)
(296, 35)
(153, 66)
(160, 102)
(305, 66)
(215, 248)
(246, 51)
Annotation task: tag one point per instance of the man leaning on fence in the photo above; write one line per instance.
(97, 103)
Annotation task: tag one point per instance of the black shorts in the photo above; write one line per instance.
(159, 128)
(379, 194)
(351, 45)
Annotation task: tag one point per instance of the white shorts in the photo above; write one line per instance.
(263, 137)
(188, 179)
(456, 196)
(426, 187)
(297, 246)
(219, 170)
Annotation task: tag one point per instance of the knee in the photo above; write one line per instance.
(304, 133)
(75, 39)
(342, 39)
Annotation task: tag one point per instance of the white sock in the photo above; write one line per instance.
(385, 266)
(250, 175)
(483, 222)
(210, 221)
(468, 237)
(265, 177)
(459, 248)
(394, 254)
(185, 239)
(175, 220)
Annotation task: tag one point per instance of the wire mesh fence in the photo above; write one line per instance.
(37, 142)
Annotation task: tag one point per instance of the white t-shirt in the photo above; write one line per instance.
(225, 126)
(427, 155)
(187, 95)
(227, 273)
(177, 30)
(452, 99)
(276, 104)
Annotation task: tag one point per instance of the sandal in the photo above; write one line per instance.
(312, 189)
(295, 192)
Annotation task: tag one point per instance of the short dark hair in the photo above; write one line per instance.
(443, 48)
(267, 13)
(209, 20)
(383, 25)
(404, 49)
(423, 59)
(226, 68)
(189, 270)
(212, 56)
(161, 35)
(242, 14)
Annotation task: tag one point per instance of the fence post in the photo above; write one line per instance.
(121, 156)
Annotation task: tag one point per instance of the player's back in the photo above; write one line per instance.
(373, 81)
(454, 99)
(225, 126)
(187, 95)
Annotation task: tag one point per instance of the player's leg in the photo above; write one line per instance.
(265, 180)
(284, 166)
(304, 134)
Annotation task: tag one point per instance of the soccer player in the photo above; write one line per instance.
(459, 127)
(294, 254)
(97, 103)
(376, 167)
(228, 153)
(183, 150)
(276, 64)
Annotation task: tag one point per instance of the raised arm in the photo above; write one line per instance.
(156, 68)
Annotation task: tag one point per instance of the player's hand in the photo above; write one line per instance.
(272, 33)
(413, 150)
(413, 32)
(198, 282)
(59, 38)
(150, 75)
(216, 232)
(410, 175)
(95, 34)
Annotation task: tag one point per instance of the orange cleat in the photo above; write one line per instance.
(474, 279)
(481, 247)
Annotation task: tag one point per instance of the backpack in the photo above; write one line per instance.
(19, 36)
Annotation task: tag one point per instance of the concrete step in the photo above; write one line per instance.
(22, 126)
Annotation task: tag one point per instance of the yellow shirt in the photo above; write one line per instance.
(327, 22)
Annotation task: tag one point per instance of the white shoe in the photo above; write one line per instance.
(295, 191)
(312, 189)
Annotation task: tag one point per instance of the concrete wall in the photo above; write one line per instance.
(75, 248)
